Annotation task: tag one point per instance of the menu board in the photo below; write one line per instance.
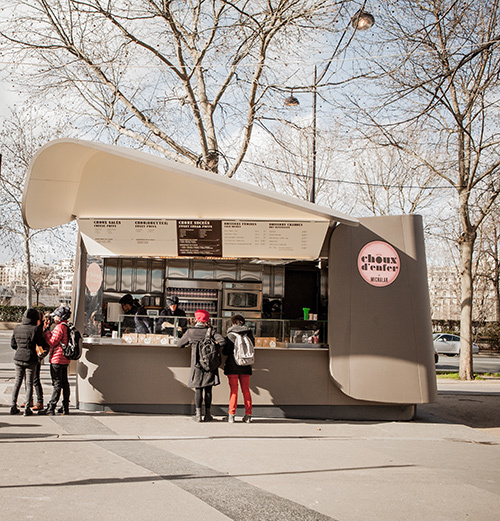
(199, 238)
(204, 238)
(129, 237)
(274, 239)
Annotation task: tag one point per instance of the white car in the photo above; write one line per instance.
(446, 344)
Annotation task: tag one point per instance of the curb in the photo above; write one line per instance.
(8, 326)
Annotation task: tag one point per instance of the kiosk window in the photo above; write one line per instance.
(127, 276)
(141, 276)
(203, 270)
(225, 271)
(134, 275)
(111, 275)
(178, 269)
(157, 277)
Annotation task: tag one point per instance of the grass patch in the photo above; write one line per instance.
(451, 376)
(477, 376)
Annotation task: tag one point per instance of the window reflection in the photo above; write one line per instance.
(141, 276)
(111, 275)
(127, 275)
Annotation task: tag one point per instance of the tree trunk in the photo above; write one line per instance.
(496, 279)
(29, 290)
(466, 250)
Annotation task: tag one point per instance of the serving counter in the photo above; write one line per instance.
(152, 378)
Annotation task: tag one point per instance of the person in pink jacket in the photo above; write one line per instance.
(58, 362)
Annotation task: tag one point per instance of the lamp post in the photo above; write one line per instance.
(361, 21)
(312, 195)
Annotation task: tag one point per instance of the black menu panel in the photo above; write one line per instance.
(199, 238)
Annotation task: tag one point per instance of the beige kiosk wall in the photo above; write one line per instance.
(292, 383)
(380, 336)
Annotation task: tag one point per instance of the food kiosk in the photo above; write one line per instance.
(339, 305)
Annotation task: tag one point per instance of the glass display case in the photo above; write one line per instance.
(269, 333)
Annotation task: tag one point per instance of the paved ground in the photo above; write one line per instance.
(442, 466)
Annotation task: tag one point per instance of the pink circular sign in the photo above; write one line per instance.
(379, 263)
(94, 278)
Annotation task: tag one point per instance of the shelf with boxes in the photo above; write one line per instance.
(195, 294)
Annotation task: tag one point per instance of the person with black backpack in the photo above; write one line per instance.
(239, 350)
(206, 358)
(57, 339)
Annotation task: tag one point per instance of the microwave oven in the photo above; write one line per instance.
(241, 297)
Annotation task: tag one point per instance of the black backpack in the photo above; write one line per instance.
(209, 356)
(73, 349)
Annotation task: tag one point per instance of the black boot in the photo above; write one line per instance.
(208, 416)
(50, 410)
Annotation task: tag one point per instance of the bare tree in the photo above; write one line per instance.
(488, 258)
(440, 60)
(22, 134)
(41, 278)
(282, 161)
(390, 181)
(186, 79)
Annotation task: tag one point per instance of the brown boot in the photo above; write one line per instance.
(38, 406)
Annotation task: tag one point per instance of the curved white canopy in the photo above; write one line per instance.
(69, 179)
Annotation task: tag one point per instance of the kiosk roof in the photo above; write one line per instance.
(69, 179)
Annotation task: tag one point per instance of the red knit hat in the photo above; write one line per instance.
(201, 315)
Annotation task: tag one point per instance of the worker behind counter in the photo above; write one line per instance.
(136, 319)
(166, 326)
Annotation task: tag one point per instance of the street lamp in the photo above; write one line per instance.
(291, 101)
(361, 21)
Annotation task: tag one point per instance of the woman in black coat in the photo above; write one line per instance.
(25, 338)
(200, 379)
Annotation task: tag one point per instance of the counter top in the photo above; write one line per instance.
(282, 346)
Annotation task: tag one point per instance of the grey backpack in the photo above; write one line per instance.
(244, 351)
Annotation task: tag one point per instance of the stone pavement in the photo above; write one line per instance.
(445, 465)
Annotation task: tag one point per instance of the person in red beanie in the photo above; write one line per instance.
(199, 379)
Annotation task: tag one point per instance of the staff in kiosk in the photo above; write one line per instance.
(136, 319)
(166, 326)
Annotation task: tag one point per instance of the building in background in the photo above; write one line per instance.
(62, 280)
(57, 290)
(444, 292)
(11, 273)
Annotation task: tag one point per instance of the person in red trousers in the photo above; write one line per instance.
(238, 373)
